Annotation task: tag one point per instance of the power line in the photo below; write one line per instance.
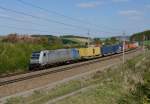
(26, 21)
(8, 26)
(19, 20)
(45, 19)
(35, 30)
(59, 14)
(30, 22)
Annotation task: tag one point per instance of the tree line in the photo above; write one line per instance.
(141, 36)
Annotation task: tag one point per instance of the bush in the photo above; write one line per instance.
(15, 57)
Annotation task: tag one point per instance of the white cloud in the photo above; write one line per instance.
(94, 4)
(148, 6)
(120, 0)
(89, 4)
(130, 13)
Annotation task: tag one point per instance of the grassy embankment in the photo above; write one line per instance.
(14, 57)
(126, 84)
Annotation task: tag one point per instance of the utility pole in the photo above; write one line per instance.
(144, 46)
(123, 55)
(88, 37)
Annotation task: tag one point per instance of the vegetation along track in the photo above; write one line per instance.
(13, 79)
(50, 80)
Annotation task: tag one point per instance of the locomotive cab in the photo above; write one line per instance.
(38, 59)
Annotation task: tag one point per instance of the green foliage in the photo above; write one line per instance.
(73, 36)
(111, 41)
(14, 57)
(17, 99)
(66, 41)
(140, 36)
(15, 52)
(140, 93)
(147, 43)
(97, 41)
(52, 40)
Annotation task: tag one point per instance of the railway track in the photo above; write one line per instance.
(17, 78)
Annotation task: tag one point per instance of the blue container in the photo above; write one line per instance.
(117, 48)
(111, 49)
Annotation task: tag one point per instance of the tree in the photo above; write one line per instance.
(11, 38)
(111, 41)
(145, 35)
(97, 41)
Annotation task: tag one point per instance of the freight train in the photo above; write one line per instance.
(46, 58)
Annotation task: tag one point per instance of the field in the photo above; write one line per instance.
(14, 57)
(125, 84)
(76, 40)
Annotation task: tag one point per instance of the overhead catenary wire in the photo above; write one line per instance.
(30, 22)
(62, 15)
(54, 21)
(20, 20)
(45, 19)
(27, 21)
(31, 29)
(8, 26)
(35, 30)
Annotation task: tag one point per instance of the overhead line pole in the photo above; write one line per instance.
(123, 56)
(144, 45)
(88, 37)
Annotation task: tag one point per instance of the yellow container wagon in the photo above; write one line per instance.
(89, 52)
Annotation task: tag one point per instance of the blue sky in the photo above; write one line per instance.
(102, 18)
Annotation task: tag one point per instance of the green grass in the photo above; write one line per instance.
(40, 97)
(147, 42)
(14, 57)
(81, 41)
(123, 85)
(115, 86)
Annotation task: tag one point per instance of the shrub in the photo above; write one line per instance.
(15, 57)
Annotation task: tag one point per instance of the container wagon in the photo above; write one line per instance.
(133, 45)
(89, 52)
(111, 49)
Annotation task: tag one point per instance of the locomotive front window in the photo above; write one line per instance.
(44, 54)
(35, 55)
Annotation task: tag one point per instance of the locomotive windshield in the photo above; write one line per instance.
(35, 55)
